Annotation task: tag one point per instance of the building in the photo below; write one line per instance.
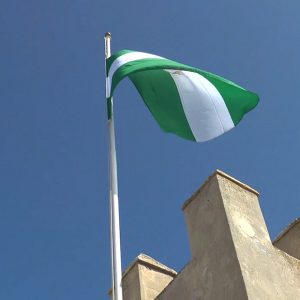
(232, 254)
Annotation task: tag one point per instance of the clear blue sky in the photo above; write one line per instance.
(54, 225)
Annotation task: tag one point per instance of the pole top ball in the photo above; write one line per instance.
(107, 35)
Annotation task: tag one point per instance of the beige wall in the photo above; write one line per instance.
(145, 278)
(289, 240)
(214, 271)
(232, 256)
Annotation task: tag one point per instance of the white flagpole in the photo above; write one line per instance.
(114, 199)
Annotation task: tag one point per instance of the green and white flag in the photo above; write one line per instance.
(192, 103)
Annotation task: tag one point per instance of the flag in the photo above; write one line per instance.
(192, 103)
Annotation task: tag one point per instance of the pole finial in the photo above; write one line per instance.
(107, 39)
(107, 35)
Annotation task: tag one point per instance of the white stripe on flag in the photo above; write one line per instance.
(124, 59)
(204, 107)
(108, 87)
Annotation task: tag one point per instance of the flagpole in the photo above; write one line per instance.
(114, 199)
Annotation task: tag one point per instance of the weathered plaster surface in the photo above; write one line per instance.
(232, 254)
(289, 240)
(145, 278)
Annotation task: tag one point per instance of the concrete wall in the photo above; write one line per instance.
(289, 240)
(131, 284)
(267, 272)
(145, 278)
(214, 271)
(232, 256)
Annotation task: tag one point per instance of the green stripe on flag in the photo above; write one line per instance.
(109, 108)
(164, 103)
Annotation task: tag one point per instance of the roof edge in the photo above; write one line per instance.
(286, 230)
(223, 174)
(148, 261)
